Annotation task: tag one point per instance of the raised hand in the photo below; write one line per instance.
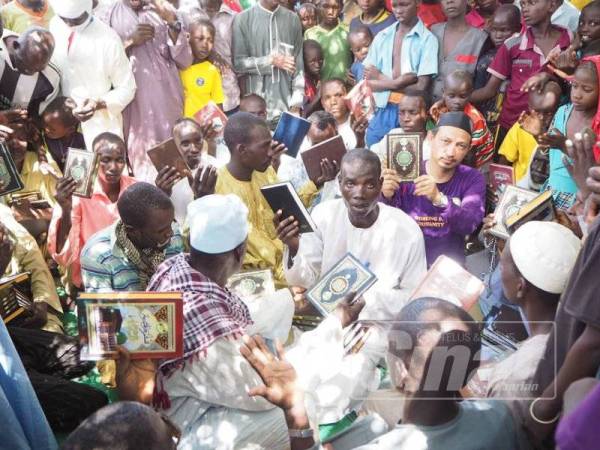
(390, 183)
(204, 181)
(12, 115)
(581, 157)
(166, 179)
(329, 171)
(143, 33)
(64, 192)
(553, 139)
(288, 231)
(349, 309)
(278, 375)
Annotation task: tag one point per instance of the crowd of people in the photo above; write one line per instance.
(483, 83)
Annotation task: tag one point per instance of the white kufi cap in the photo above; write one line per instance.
(71, 9)
(218, 223)
(545, 253)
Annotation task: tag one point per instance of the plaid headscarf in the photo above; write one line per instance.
(209, 312)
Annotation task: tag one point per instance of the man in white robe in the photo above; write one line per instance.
(95, 71)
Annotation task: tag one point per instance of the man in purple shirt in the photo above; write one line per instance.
(448, 200)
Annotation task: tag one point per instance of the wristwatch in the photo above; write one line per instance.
(301, 434)
(443, 201)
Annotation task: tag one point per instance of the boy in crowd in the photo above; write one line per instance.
(202, 80)
(360, 40)
(448, 200)
(61, 129)
(307, 12)
(389, 73)
(313, 63)
(412, 118)
(332, 34)
(461, 45)
(458, 87)
(519, 58)
(373, 15)
(519, 145)
(190, 139)
(332, 99)
(505, 23)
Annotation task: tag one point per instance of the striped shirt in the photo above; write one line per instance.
(105, 268)
(30, 92)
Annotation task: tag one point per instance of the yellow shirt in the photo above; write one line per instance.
(201, 83)
(27, 257)
(34, 179)
(517, 147)
(580, 4)
(17, 18)
(264, 250)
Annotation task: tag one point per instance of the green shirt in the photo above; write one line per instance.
(17, 18)
(336, 50)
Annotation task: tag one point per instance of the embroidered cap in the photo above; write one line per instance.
(71, 9)
(218, 223)
(545, 253)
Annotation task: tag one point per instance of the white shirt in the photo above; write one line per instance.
(95, 66)
(566, 16)
(345, 130)
(392, 248)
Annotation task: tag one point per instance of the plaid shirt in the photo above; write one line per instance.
(209, 311)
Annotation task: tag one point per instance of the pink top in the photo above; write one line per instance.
(475, 19)
(88, 216)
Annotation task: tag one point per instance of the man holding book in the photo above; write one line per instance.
(448, 199)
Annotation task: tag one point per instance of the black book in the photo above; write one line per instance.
(10, 180)
(282, 196)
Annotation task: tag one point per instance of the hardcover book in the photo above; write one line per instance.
(282, 196)
(513, 199)
(540, 208)
(10, 180)
(291, 131)
(82, 166)
(404, 154)
(360, 101)
(211, 113)
(347, 276)
(333, 149)
(252, 283)
(147, 324)
(448, 280)
(500, 176)
(167, 154)
(15, 298)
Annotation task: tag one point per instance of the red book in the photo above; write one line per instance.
(360, 101)
(211, 113)
(448, 280)
(499, 177)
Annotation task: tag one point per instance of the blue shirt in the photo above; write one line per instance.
(105, 268)
(564, 188)
(357, 70)
(419, 55)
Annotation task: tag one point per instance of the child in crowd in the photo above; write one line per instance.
(412, 118)
(458, 87)
(481, 15)
(307, 12)
(505, 23)
(332, 34)
(519, 144)
(360, 40)
(255, 105)
(430, 12)
(389, 74)
(581, 112)
(60, 129)
(373, 15)
(461, 45)
(313, 63)
(202, 80)
(190, 139)
(519, 58)
(332, 98)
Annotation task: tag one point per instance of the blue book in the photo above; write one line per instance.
(291, 131)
